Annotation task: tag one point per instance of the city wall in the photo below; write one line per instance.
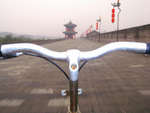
(136, 34)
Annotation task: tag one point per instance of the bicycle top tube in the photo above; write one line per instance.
(115, 46)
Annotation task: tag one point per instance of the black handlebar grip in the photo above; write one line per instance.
(147, 48)
(1, 55)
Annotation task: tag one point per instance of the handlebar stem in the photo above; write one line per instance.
(73, 57)
(73, 60)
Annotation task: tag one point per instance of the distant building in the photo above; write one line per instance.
(70, 31)
(93, 34)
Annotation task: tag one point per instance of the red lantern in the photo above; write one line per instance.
(96, 25)
(113, 15)
(113, 10)
(90, 30)
(112, 20)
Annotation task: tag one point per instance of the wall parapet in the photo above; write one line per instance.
(137, 34)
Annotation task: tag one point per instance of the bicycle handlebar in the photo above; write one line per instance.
(73, 57)
(31, 48)
(116, 46)
(13, 50)
(147, 48)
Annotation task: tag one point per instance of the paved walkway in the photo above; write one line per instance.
(116, 83)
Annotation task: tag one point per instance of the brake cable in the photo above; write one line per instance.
(56, 64)
(50, 62)
(83, 65)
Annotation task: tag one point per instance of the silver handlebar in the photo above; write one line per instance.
(73, 57)
(116, 46)
(32, 48)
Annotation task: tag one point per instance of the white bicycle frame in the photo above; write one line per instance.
(73, 57)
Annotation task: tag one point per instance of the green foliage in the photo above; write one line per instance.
(11, 39)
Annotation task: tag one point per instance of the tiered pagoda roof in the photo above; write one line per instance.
(70, 32)
(70, 24)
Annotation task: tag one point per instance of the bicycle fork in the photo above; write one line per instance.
(73, 60)
(73, 93)
(74, 96)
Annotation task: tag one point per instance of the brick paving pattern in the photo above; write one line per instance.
(116, 83)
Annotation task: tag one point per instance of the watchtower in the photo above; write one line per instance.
(70, 30)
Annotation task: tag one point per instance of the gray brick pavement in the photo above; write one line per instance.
(116, 83)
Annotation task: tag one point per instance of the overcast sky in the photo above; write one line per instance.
(47, 17)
